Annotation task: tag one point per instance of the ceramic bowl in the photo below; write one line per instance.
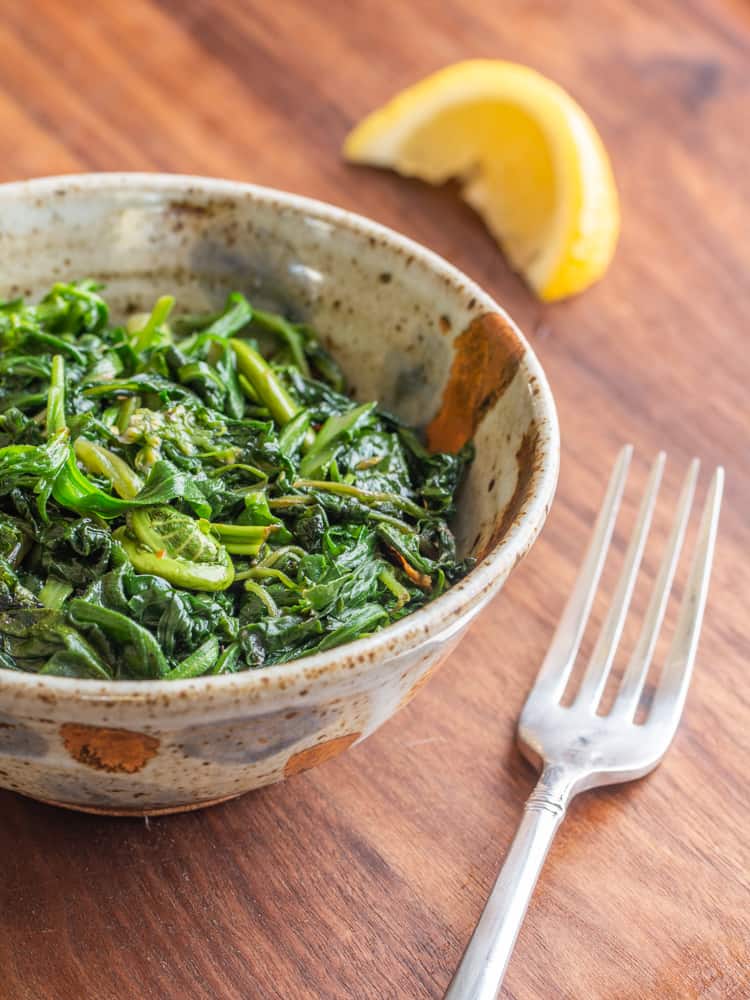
(410, 331)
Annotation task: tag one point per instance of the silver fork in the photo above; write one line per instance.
(575, 748)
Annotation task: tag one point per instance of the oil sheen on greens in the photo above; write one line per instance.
(189, 495)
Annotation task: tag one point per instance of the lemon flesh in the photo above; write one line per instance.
(528, 158)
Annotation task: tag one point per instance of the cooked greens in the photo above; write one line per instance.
(196, 495)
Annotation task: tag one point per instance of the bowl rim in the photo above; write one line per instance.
(435, 621)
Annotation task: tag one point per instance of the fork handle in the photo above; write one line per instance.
(480, 974)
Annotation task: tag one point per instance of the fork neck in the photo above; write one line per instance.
(553, 791)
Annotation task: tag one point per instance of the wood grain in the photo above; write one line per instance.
(363, 878)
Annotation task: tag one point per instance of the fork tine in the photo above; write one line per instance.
(673, 685)
(636, 671)
(600, 662)
(558, 663)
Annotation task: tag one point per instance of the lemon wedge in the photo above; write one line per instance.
(527, 156)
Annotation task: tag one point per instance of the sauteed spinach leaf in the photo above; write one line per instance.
(186, 495)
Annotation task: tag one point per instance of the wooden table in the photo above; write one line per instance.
(363, 878)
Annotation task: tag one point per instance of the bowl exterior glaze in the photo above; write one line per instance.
(410, 331)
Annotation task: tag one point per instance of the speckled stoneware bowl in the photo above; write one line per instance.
(410, 331)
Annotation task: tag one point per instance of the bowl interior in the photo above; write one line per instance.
(408, 330)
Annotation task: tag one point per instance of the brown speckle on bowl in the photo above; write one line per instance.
(115, 750)
(487, 356)
(210, 209)
(312, 756)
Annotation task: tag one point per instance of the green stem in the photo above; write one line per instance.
(234, 466)
(288, 332)
(240, 539)
(102, 462)
(366, 496)
(56, 397)
(248, 388)
(55, 593)
(381, 518)
(265, 382)
(286, 550)
(263, 573)
(147, 333)
(290, 500)
(399, 591)
(327, 441)
(57, 344)
(295, 434)
(236, 314)
(263, 596)
(227, 662)
(243, 533)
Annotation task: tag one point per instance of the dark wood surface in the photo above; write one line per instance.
(363, 879)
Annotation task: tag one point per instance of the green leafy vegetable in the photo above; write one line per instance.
(173, 545)
(335, 431)
(186, 495)
(139, 651)
(43, 642)
(199, 662)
